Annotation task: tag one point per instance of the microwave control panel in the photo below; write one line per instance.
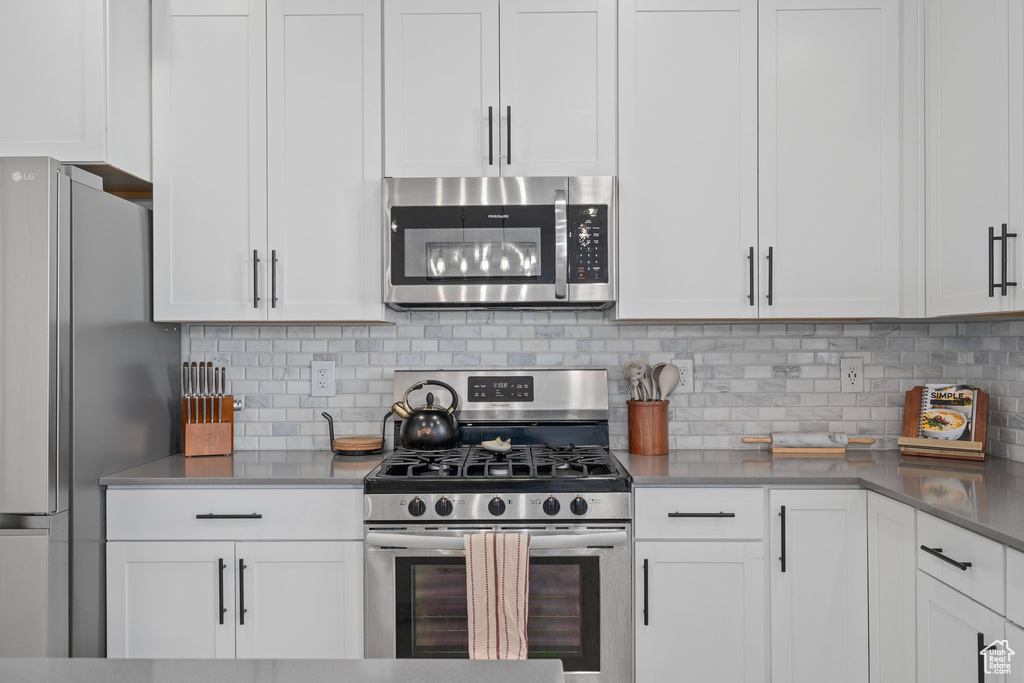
(588, 245)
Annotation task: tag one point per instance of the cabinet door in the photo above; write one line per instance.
(209, 157)
(1015, 639)
(441, 88)
(951, 630)
(892, 608)
(692, 600)
(974, 153)
(170, 600)
(688, 159)
(829, 139)
(819, 612)
(54, 83)
(300, 600)
(324, 153)
(557, 87)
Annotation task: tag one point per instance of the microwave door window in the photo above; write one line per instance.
(495, 258)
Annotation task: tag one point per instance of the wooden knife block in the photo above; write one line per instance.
(209, 438)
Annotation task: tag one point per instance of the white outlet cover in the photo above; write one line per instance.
(851, 374)
(686, 380)
(325, 368)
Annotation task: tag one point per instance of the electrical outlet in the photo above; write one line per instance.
(323, 378)
(685, 366)
(851, 374)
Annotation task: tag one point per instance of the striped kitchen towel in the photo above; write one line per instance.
(497, 584)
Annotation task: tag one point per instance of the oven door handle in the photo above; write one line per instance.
(561, 245)
(559, 541)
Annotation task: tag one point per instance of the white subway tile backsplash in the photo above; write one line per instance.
(750, 378)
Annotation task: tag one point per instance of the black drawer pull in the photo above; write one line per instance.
(241, 592)
(220, 570)
(210, 515)
(937, 552)
(702, 514)
(782, 557)
(646, 621)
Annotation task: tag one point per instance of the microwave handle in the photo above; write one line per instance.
(561, 245)
(382, 539)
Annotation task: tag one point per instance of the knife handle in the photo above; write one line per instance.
(186, 390)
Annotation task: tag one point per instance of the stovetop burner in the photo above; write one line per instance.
(524, 467)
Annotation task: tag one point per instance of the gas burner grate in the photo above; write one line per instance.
(523, 462)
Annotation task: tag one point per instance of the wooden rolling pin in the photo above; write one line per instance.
(817, 443)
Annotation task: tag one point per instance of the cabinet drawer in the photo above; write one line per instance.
(683, 513)
(983, 580)
(234, 514)
(1015, 586)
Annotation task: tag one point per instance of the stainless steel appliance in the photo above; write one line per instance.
(559, 483)
(495, 242)
(85, 391)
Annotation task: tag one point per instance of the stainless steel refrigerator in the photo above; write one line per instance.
(86, 383)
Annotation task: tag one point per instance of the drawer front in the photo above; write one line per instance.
(983, 580)
(234, 514)
(685, 513)
(1015, 586)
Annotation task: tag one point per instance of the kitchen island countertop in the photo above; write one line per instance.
(89, 670)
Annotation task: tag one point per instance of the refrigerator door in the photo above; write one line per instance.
(33, 247)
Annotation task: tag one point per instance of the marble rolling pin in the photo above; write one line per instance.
(808, 444)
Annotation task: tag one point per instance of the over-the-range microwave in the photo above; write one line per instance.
(500, 242)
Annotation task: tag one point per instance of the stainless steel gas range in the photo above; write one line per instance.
(559, 482)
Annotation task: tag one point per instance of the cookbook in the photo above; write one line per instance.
(947, 412)
(945, 421)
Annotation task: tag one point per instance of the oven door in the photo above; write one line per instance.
(579, 601)
(475, 240)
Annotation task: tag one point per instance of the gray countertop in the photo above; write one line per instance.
(277, 670)
(987, 497)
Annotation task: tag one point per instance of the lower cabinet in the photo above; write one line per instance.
(700, 611)
(819, 588)
(892, 604)
(217, 599)
(952, 629)
(1015, 639)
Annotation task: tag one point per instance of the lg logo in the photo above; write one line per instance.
(18, 176)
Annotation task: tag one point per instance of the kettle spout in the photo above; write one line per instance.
(400, 410)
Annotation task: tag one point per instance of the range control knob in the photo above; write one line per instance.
(551, 506)
(417, 507)
(496, 506)
(578, 506)
(443, 507)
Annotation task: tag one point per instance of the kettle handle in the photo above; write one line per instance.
(426, 382)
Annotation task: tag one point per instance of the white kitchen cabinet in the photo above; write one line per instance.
(756, 140)
(688, 159)
(974, 71)
(700, 582)
(829, 158)
(951, 630)
(215, 573)
(499, 87)
(1015, 639)
(238, 84)
(892, 604)
(76, 82)
(693, 599)
(818, 574)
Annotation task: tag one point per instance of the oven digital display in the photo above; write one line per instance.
(492, 389)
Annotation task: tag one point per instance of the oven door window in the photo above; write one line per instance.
(564, 609)
(472, 244)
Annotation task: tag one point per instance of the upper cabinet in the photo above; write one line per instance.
(76, 85)
(974, 87)
(499, 87)
(267, 139)
(759, 159)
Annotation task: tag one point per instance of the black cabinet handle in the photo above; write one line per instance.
(1003, 240)
(771, 275)
(508, 135)
(702, 514)
(241, 593)
(646, 622)
(255, 279)
(782, 558)
(991, 262)
(750, 259)
(490, 136)
(220, 571)
(273, 278)
(937, 552)
(981, 657)
(210, 515)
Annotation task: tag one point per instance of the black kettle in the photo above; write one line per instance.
(428, 427)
